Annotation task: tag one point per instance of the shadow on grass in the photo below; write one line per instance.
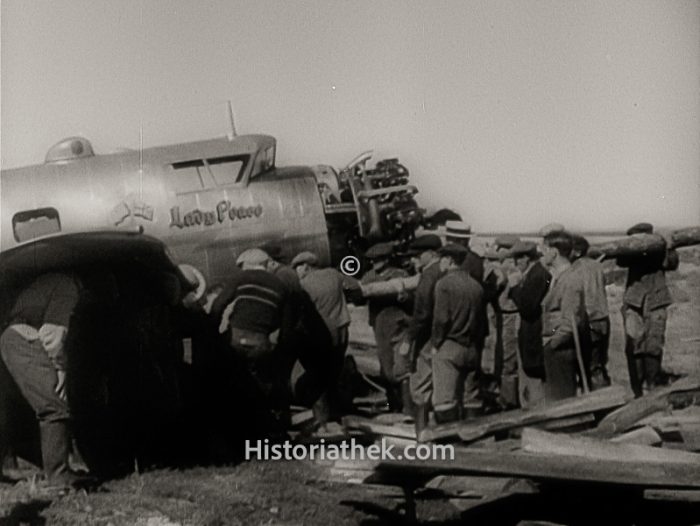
(26, 513)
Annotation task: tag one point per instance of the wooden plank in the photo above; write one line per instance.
(536, 466)
(685, 237)
(555, 444)
(389, 287)
(625, 417)
(373, 427)
(634, 245)
(675, 495)
(644, 436)
(600, 400)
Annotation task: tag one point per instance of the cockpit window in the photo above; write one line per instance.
(227, 170)
(188, 176)
(31, 224)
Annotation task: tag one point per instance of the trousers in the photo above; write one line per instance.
(451, 365)
(560, 370)
(35, 375)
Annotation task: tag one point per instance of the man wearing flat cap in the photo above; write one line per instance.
(529, 284)
(595, 348)
(563, 319)
(325, 288)
(456, 333)
(506, 319)
(250, 313)
(416, 348)
(388, 317)
(644, 307)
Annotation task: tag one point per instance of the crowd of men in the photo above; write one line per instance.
(524, 324)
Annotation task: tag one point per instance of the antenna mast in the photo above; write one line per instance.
(232, 133)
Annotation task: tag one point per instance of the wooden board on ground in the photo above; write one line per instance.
(537, 466)
(373, 427)
(555, 444)
(643, 435)
(676, 495)
(627, 416)
(602, 399)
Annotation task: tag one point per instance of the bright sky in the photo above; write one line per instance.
(515, 113)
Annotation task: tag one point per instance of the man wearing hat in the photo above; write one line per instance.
(456, 333)
(502, 341)
(459, 232)
(250, 312)
(388, 317)
(644, 306)
(325, 288)
(417, 346)
(563, 313)
(595, 348)
(529, 283)
(276, 266)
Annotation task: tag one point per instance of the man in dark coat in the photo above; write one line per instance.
(32, 349)
(416, 349)
(644, 307)
(529, 286)
(456, 332)
(459, 233)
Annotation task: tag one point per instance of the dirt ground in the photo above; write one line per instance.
(300, 492)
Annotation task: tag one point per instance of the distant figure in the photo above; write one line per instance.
(32, 348)
(595, 348)
(456, 333)
(388, 317)
(529, 283)
(325, 288)
(644, 308)
(563, 313)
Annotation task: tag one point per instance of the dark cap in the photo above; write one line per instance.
(304, 257)
(273, 249)
(380, 250)
(506, 241)
(425, 242)
(453, 249)
(550, 228)
(641, 228)
(524, 248)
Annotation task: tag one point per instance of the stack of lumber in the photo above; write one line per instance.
(650, 443)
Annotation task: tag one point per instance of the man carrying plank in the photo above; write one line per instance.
(644, 311)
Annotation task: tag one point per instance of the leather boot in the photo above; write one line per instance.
(55, 446)
(421, 417)
(406, 399)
